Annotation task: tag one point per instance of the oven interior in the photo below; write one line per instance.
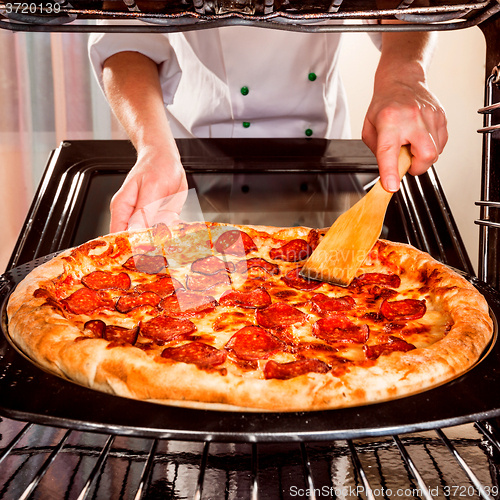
(97, 445)
(60, 442)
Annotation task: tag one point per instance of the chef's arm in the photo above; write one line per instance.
(403, 110)
(132, 87)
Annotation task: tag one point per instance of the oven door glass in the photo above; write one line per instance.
(272, 199)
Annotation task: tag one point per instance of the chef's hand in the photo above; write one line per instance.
(154, 191)
(156, 187)
(403, 110)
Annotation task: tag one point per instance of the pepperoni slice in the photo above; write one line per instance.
(96, 326)
(103, 280)
(54, 303)
(68, 281)
(166, 328)
(235, 242)
(313, 238)
(201, 282)
(183, 304)
(115, 333)
(393, 327)
(198, 353)
(395, 344)
(293, 251)
(211, 265)
(243, 266)
(403, 310)
(279, 314)
(389, 280)
(161, 232)
(323, 305)
(341, 329)
(162, 287)
(285, 371)
(255, 299)
(83, 301)
(340, 321)
(294, 280)
(380, 292)
(145, 248)
(41, 293)
(128, 302)
(149, 264)
(253, 342)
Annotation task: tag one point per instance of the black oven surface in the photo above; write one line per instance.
(110, 447)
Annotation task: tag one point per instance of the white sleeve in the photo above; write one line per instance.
(156, 46)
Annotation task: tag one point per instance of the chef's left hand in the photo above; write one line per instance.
(403, 110)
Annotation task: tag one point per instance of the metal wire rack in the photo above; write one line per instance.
(488, 221)
(291, 15)
(453, 463)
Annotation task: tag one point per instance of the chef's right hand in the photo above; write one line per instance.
(147, 194)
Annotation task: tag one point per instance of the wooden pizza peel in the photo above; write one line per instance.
(347, 243)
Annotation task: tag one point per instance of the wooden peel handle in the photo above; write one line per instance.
(404, 161)
(404, 164)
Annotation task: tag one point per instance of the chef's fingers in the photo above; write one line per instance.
(428, 138)
(169, 211)
(166, 209)
(144, 216)
(369, 135)
(423, 149)
(439, 129)
(122, 207)
(387, 158)
(387, 155)
(385, 143)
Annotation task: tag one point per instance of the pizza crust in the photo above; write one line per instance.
(48, 338)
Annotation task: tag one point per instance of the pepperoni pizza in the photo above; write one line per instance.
(217, 316)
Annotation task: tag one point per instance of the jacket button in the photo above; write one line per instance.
(312, 76)
(308, 132)
(244, 90)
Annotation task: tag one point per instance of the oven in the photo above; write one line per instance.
(59, 440)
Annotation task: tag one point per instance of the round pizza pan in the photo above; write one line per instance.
(29, 393)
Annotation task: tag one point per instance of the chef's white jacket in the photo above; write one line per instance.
(244, 82)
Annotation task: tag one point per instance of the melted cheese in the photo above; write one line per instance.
(218, 326)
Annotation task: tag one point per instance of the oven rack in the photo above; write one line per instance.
(430, 465)
(489, 221)
(291, 15)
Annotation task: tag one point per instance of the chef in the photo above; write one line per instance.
(243, 82)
